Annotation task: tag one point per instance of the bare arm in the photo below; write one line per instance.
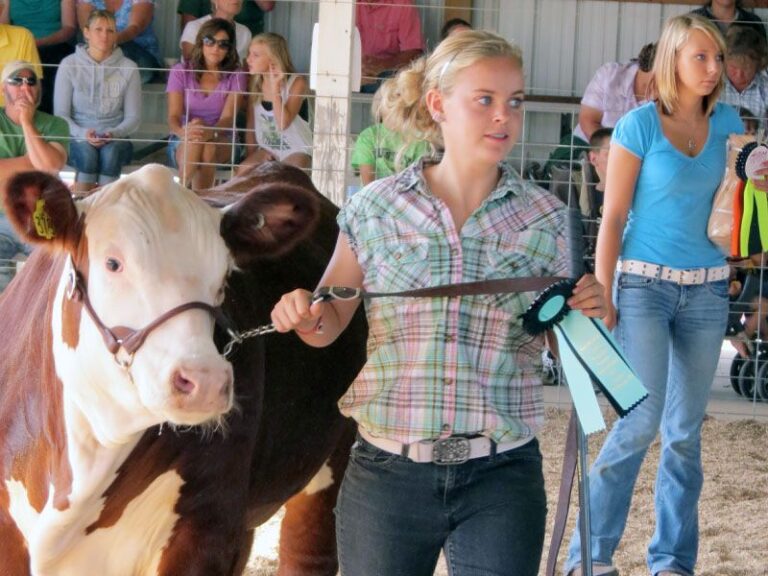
(68, 26)
(46, 156)
(375, 65)
(84, 9)
(186, 50)
(293, 311)
(141, 17)
(265, 5)
(367, 174)
(176, 113)
(250, 136)
(5, 8)
(227, 118)
(286, 111)
(590, 119)
(623, 169)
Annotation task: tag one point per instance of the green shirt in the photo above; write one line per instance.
(52, 128)
(378, 146)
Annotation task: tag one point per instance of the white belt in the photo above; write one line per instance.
(451, 450)
(687, 277)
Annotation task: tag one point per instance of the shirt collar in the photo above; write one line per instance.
(412, 178)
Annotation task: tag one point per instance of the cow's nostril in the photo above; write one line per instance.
(182, 384)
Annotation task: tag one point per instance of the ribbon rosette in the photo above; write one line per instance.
(588, 354)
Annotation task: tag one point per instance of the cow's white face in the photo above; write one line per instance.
(151, 246)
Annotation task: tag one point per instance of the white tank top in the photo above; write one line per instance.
(295, 138)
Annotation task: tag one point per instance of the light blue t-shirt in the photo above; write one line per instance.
(667, 222)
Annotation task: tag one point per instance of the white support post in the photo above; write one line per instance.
(332, 97)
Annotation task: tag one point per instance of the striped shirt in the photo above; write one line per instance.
(459, 365)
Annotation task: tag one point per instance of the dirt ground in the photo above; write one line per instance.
(733, 507)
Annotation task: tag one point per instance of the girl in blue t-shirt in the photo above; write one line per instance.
(670, 288)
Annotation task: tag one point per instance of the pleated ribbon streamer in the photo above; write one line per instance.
(589, 356)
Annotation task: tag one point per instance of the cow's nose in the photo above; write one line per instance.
(204, 387)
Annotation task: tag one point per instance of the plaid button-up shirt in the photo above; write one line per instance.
(458, 365)
(754, 97)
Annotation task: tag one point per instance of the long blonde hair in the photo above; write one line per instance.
(278, 52)
(677, 30)
(403, 106)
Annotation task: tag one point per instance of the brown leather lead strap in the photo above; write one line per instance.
(496, 286)
(570, 458)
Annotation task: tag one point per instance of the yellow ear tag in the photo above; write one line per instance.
(43, 224)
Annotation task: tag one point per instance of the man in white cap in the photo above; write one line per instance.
(29, 139)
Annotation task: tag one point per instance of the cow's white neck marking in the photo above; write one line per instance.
(320, 481)
(133, 546)
(57, 540)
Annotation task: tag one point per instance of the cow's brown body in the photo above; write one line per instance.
(285, 427)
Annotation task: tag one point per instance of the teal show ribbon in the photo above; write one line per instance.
(589, 355)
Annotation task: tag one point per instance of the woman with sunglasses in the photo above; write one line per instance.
(98, 93)
(203, 96)
(445, 372)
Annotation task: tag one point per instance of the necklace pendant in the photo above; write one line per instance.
(691, 144)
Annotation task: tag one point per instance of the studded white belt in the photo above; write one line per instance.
(676, 275)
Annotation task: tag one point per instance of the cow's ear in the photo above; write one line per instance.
(270, 220)
(41, 209)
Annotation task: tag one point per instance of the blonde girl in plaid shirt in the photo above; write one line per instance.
(442, 368)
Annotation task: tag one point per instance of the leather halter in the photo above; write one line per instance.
(126, 338)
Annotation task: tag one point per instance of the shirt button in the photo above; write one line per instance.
(450, 337)
(448, 381)
(454, 251)
(446, 427)
(398, 255)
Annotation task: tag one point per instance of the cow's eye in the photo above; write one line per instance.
(113, 265)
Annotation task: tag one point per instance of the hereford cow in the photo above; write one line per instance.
(129, 445)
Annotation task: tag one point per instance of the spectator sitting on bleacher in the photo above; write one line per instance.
(135, 35)
(252, 14)
(599, 144)
(453, 26)
(98, 93)
(17, 43)
(390, 33)
(275, 126)
(203, 96)
(226, 9)
(381, 152)
(29, 139)
(615, 89)
(726, 13)
(745, 85)
(53, 24)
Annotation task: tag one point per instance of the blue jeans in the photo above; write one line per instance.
(672, 336)
(394, 516)
(102, 165)
(10, 245)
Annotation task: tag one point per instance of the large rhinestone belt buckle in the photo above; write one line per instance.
(450, 451)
